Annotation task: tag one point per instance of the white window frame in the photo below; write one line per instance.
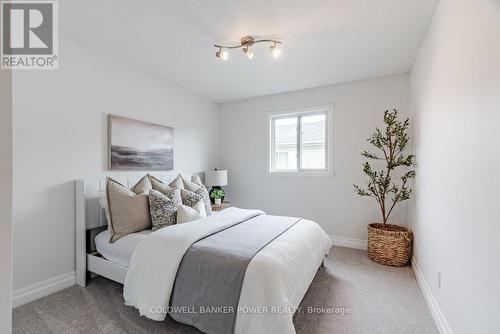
(272, 116)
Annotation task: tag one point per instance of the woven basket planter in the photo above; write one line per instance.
(389, 244)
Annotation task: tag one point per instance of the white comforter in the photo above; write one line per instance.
(275, 281)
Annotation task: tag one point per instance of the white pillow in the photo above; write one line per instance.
(186, 213)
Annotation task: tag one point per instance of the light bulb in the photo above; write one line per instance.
(275, 51)
(247, 52)
(222, 54)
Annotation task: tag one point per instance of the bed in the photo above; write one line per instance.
(121, 250)
(224, 270)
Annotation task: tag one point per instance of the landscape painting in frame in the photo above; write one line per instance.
(138, 145)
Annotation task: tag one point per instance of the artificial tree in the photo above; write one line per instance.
(391, 145)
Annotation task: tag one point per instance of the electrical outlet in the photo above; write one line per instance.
(438, 278)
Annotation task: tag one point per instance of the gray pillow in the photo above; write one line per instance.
(163, 210)
(203, 192)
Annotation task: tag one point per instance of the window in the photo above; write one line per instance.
(300, 141)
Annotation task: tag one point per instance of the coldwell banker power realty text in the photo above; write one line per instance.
(30, 35)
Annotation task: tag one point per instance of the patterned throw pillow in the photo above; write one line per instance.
(163, 210)
(203, 192)
(190, 198)
(173, 193)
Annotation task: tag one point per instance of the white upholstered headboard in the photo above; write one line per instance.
(90, 217)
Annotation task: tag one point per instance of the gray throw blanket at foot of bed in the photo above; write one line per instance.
(210, 277)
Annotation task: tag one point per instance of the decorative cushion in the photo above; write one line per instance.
(128, 209)
(196, 179)
(190, 198)
(163, 210)
(203, 192)
(177, 183)
(143, 186)
(172, 193)
(186, 214)
(191, 186)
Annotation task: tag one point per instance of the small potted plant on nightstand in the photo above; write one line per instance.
(217, 195)
(389, 244)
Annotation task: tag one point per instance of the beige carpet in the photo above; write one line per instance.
(378, 299)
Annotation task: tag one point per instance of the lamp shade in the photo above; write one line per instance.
(216, 177)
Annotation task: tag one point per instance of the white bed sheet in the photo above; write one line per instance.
(276, 278)
(121, 250)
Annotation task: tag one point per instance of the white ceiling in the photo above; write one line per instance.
(324, 41)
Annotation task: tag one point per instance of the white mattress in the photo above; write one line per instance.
(121, 250)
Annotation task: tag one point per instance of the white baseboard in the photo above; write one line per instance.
(42, 289)
(349, 242)
(432, 303)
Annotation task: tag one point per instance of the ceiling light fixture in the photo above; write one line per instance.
(275, 50)
(245, 44)
(222, 54)
(246, 50)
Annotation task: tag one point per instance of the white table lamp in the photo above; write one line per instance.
(216, 178)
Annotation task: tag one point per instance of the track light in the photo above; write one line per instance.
(275, 50)
(245, 44)
(247, 52)
(222, 54)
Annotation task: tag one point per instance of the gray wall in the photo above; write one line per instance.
(60, 134)
(455, 97)
(331, 201)
(6, 200)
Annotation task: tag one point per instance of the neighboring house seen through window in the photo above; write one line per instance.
(300, 141)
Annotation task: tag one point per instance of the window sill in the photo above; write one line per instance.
(300, 173)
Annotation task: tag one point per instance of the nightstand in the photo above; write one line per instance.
(222, 206)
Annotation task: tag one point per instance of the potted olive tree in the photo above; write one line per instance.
(387, 243)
